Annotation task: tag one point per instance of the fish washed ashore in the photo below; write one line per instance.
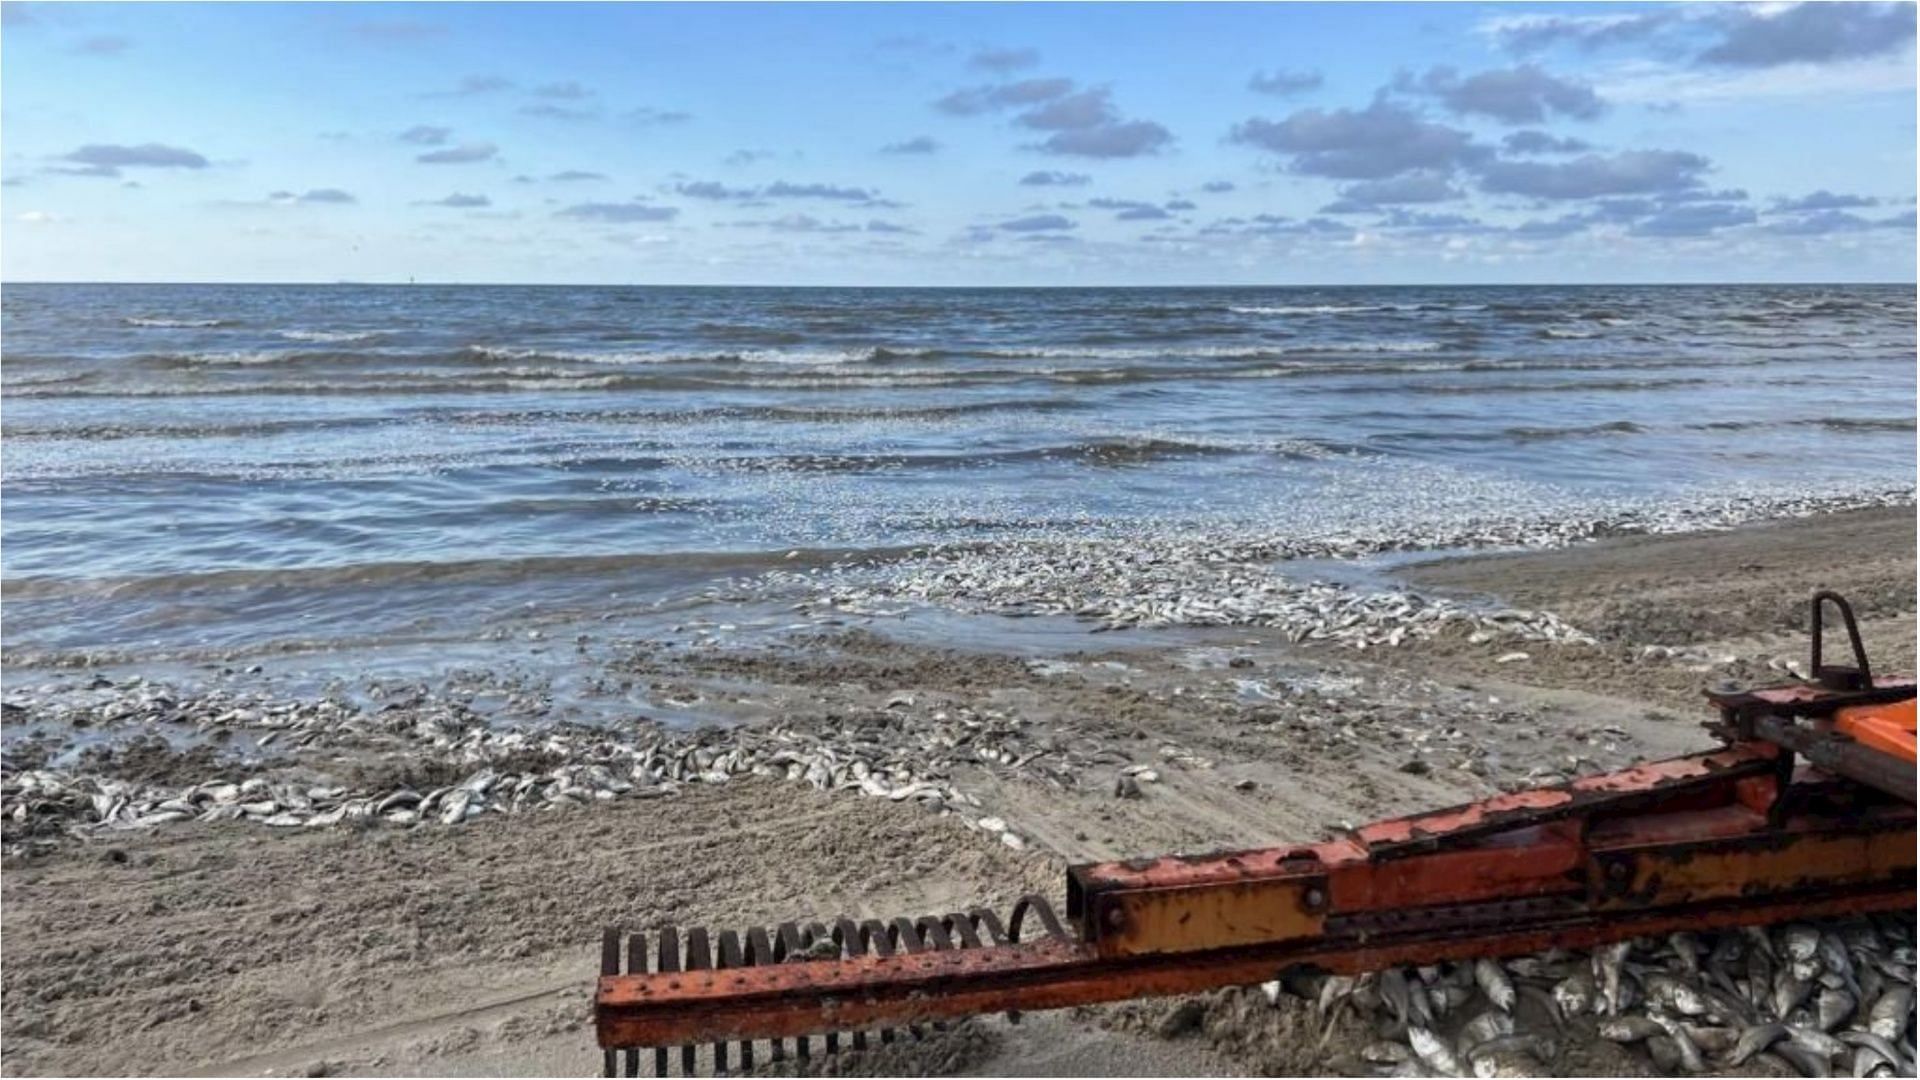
(449, 850)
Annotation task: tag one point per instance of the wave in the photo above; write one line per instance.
(1536, 434)
(1114, 451)
(175, 324)
(330, 336)
(1830, 423)
(384, 575)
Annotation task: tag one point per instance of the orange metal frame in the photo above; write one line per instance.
(1807, 811)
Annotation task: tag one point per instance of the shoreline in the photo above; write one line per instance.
(1252, 739)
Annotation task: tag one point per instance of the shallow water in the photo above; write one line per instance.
(210, 467)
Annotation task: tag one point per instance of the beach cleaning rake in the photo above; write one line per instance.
(1806, 810)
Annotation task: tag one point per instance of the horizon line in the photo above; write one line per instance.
(1912, 283)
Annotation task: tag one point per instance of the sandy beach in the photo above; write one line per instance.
(228, 948)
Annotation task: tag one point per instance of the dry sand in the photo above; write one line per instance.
(211, 950)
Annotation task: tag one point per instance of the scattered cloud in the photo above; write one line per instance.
(1217, 187)
(1530, 141)
(1002, 61)
(547, 110)
(1518, 95)
(1037, 223)
(981, 99)
(1533, 33)
(17, 13)
(37, 217)
(648, 116)
(1127, 138)
(1381, 140)
(1693, 219)
(919, 144)
(107, 159)
(1632, 172)
(781, 189)
(562, 91)
(458, 201)
(474, 85)
(1285, 82)
(1818, 224)
(1767, 36)
(426, 135)
(1052, 178)
(103, 45)
(1420, 186)
(572, 175)
(714, 190)
(746, 157)
(619, 213)
(1825, 200)
(1072, 112)
(1131, 209)
(333, 196)
(799, 223)
(464, 154)
(878, 226)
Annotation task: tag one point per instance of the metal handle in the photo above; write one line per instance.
(1838, 676)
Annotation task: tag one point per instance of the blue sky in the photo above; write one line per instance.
(957, 144)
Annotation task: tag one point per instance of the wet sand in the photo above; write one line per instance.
(232, 949)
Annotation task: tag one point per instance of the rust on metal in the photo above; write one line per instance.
(1807, 812)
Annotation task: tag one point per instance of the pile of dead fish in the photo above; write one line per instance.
(898, 753)
(1155, 574)
(1118, 587)
(1801, 999)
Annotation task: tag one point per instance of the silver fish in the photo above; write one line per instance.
(1831, 1007)
(1575, 994)
(1674, 995)
(1607, 962)
(1483, 1028)
(1800, 941)
(1385, 1052)
(1788, 993)
(1691, 1059)
(1433, 1050)
(1494, 983)
(1888, 1016)
(1753, 1040)
(1626, 1029)
(1686, 951)
(1808, 1062)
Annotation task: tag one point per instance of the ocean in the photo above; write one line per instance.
(419, 475)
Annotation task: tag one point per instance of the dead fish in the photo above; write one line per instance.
(1531, 993)
(1871, 1045)
(1665, 1054)
(1510, 1055)
(1433, 1050)
(1833, 957)
(1607, 962)
(1800, 941)
(1575, 994)
(1808, 1062)
(1788, 993)
(1395, 992)
(1385, 1052)
(1831, 1007)
(1888, 1016)
(1686, 951)
(1691, 1059)
(1494, 983)
(1673, 994)
(1753, 1040)
(1712, 1038)
(1483, 1028)
(1627, 1029)
(1818, 1042)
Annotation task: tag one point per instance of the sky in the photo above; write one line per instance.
(963, 144)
